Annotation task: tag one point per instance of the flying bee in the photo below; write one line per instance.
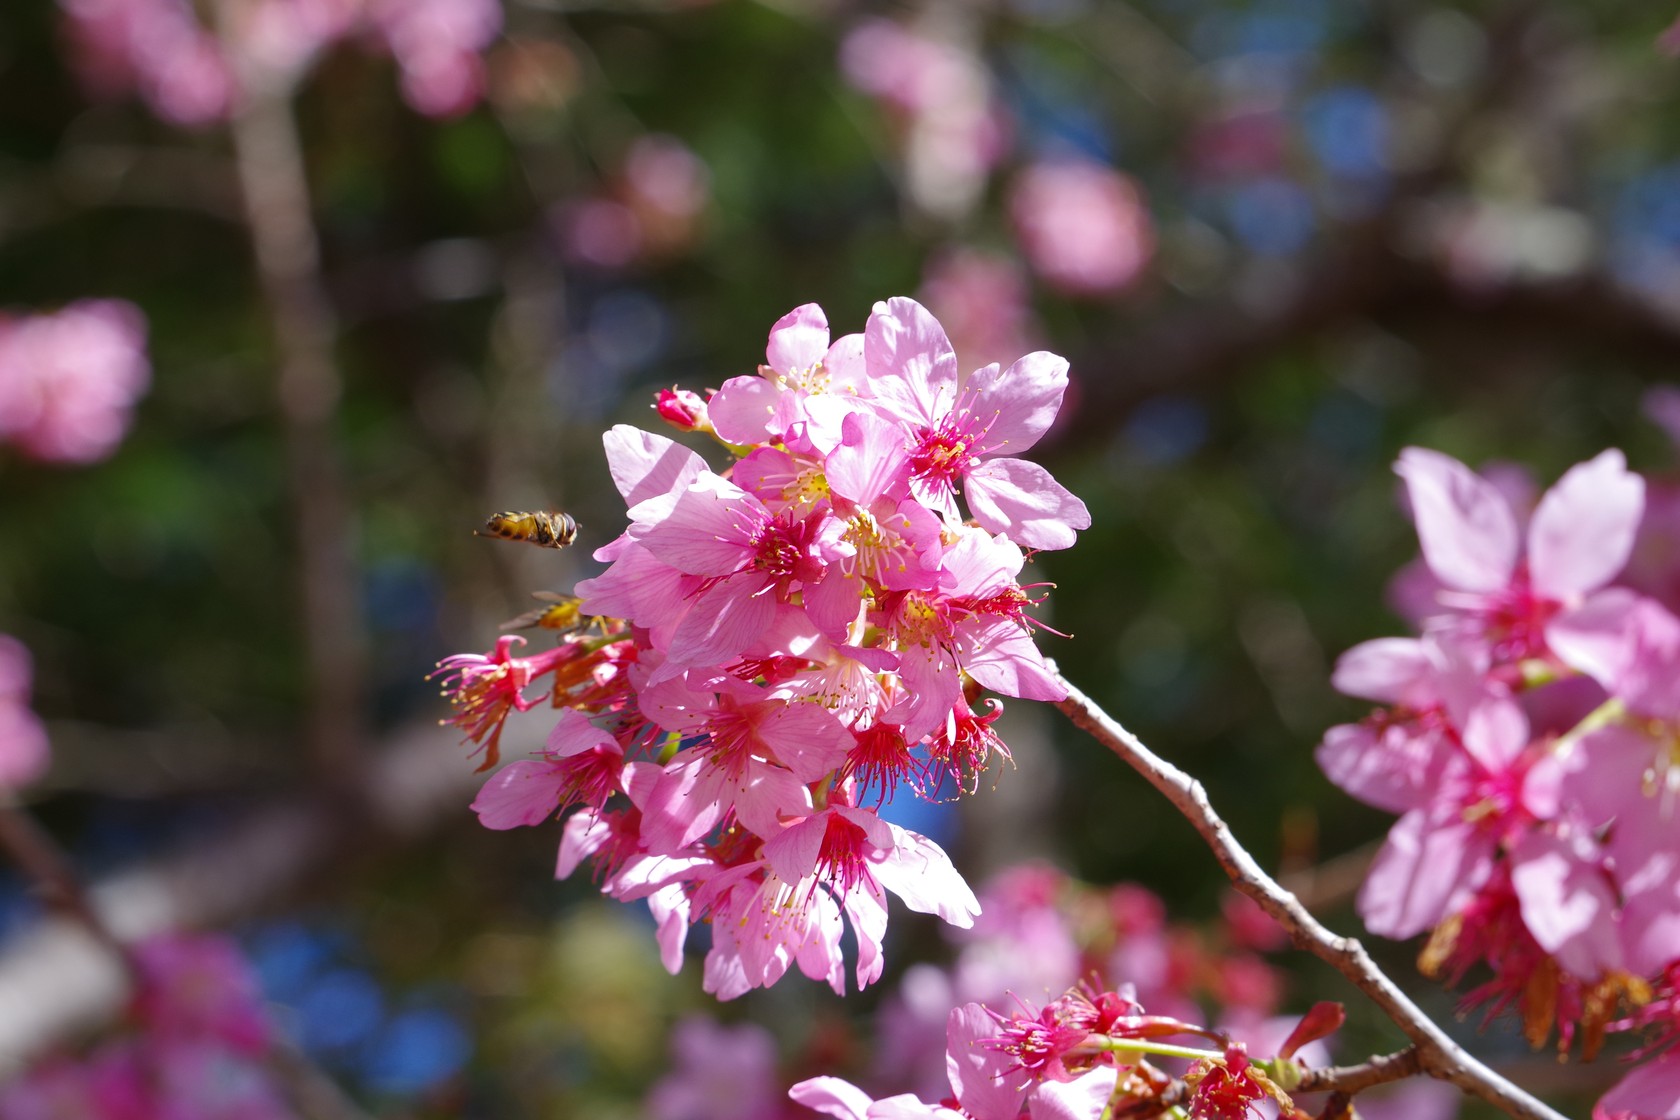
(550, 530)
(560, 613)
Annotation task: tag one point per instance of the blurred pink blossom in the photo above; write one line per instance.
(155, 48)
(182, 68)
(983, 301)
(951, 129)
(199, 1049)
(437, 45)
(69, 380)
(1083, 226)
(23, 741)
(719, 1073)
(651, 208)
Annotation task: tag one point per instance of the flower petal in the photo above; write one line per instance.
(644, 465)
(1021, 499)
(1466, 527)
(799, 339)
(1584, 527)
(912, 368)
(1020, 403)
(1430, 861)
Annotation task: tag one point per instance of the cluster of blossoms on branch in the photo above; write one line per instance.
(190, 73)
(773, 647)
(1088, 1054)
(1042, 931)
(198, 1046)
(1529, 740)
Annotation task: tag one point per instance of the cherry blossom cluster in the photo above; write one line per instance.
(69, 379)
(1087, 1055)
(1528, 740)
(197, 1047)
(772, 647)
(189, 73)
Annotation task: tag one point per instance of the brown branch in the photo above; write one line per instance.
(39, 857)
(1349, 1080)
(269, 156)
(1438, 1055)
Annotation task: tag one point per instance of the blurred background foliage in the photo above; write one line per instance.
(1330, 230)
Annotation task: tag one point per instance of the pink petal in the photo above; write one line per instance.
(1002, 657)
(574, 734)
(743, 411)
(1020, 403)
(1650, 1092)
(645, 466)
(1428, 864)
(871, 460)
(1567, 903)
(1466, 527)
(1083, 1098)
(722, 623)
(1584, 527)
(1021, 499)
(799, 340)
(709, 529)
(1387, 670)
(520, 793)
(912, 368)
(806, 738)
(1495, 733)
(833, 1097)
(1598, 637)
(769, 795)
(581, 836)
(920, 873)
(792, 853)
(867, 909)
(669, 907)
(1651, 914)
(1398, 769)
(988, 1084)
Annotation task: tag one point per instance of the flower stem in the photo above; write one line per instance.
(1160, 1049)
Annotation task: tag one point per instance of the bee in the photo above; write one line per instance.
(560, 613)
(550, 530)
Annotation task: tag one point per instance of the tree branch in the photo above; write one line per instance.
(1349, 1080)
(1438, 1055)
(269, 156)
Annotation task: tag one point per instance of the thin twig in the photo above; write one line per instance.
(1438, 1055)
(1379, 1070)
(39, 857)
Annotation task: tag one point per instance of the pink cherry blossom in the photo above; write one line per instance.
(804, 377)
(959, 428)
(1501, 588)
